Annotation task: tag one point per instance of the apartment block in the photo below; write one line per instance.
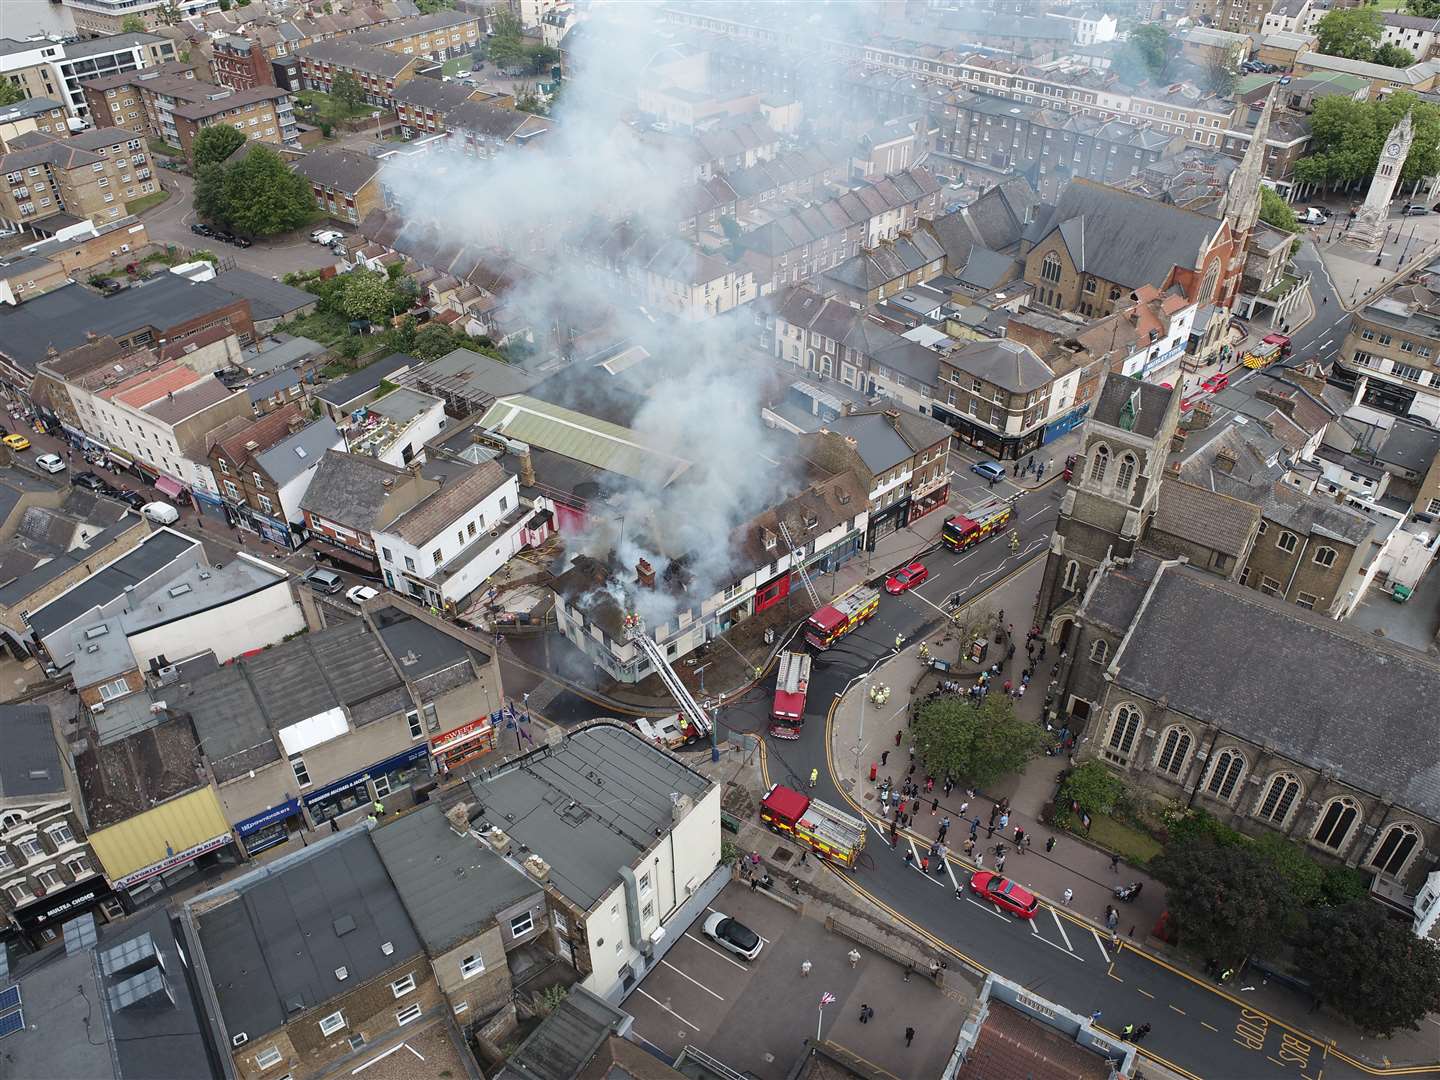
(59, 69)
(264, 114)
(33, 114)
(101, 17)
(240, 64)
(123, 100)
(378, 70)
(435, 37)
(346, 183)
(89, 176)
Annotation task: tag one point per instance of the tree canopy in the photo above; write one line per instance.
(257, 195)
(132, 24)
(214, 145)
(1393, 56)
(1147, 53)
(11, 93)
(1350, 32)
(976, 744)
(1371, 968)
(1426, 9)
(1347, 137)
(1221, 73)
(1092, 788)
(430, 7)
(1225, 901)
(347, 90)
(1276, 211)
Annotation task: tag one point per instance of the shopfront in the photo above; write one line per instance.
(884, 522)
(379, 781)
(207, 503)
(157, 875)
(268, 828)
(462, 744)
(922, 504)
(41, 920)
(172, 488)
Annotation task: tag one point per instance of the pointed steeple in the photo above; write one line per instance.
(1242, 202)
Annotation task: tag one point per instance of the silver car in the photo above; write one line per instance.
(733, 935)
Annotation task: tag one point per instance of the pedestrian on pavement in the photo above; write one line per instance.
(909, 1035)
(1126, 1032)
(970, 847)
(949, 785)
(866, 1012)
(1067, 896)
(994, 813)
(854, 957)
(944, 827)
(924, 869)
(899, 641)
(334, 825)
(805, 969)
(803, 854)
(1049, 845)
(909, 858)
(885, 755)
(934, 807)
(1004, 821)
(964, 806)
(1019, 835)
(915, 809)
(1000, 864)
(989, 831)
(974, 828)
(1112, 917)
(1115, 863)
(1095, 1016)
(897, 738)
(979, 860)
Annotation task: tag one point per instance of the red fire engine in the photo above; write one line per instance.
(792, 682)
(967, 529)
(843, 614)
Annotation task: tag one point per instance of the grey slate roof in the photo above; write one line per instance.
(281, 351)
(1007, 364)
(1127, 238)
(457, 497)
(452, 885)
(30, 764)
(269, 299)
(1117, 390)
(359, 383)
(986, 269)
(228, 719)
(341, 170)
(567, 1040)
(1308, 688)
(587, 806)
(303, 450)
(349, 489)
(276, 944)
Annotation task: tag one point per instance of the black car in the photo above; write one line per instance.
(132, 499)
(202, 230)
(240, 242)
(89, 481)
(109, 286)
(224, 237)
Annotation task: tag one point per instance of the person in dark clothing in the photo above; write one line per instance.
(884, 756)
(1049, 845)
(866, 1013)
(909, 1035)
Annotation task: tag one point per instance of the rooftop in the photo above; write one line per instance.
(452, 885)
(588, 805)
(269, 299)
(357, 384)
(300, 450)
(30, 765)
(275, 939)
(352, 489)
(456, 499)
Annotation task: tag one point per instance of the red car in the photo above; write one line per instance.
(908, 578)
(1215, 383)
(1004, 894)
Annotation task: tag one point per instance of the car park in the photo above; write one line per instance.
(358, 594)
(16, 442)
(161, 513)
(1004, 894)
(908, 578)
(733, 935)
(51, 463)
(989, 470)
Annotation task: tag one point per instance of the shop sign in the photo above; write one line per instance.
(180, 858)
(267, 817)
(63, 904)
(462, 734)
(354, 780)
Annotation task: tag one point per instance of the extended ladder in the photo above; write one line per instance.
(799, 562)
(635, 631)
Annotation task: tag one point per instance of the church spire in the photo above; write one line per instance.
(1242, 202)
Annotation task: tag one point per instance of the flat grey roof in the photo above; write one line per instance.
(362, 382)
(269, 299)
(273, 948)
(403, 405)
(452, 885)
(26, 584)
(302, 450)
(30, 764)
(157, 550)
(279, 352)
(588, 806)
(419, 648)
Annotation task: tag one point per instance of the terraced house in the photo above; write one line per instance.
(379, 71)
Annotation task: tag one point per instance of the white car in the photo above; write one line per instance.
(326, 236)
(358, 594)
(733, 935)
(51, 463)
(161, 513)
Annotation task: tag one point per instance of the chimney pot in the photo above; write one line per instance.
(645, 574)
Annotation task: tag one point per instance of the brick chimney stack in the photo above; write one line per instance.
(644, 574)
(1225, 460)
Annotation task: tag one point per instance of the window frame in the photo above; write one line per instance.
(260, 1059)
(466, 961)
(527, 917)
(409, 1014)
(399, 987)
(329, 1025)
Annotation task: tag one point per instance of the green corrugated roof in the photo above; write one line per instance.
(1246, 83)
(584, 438)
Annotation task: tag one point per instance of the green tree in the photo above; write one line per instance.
(346, 89)
(401, 338)
(132, 24)
(169, 15)
(976, 744)
(1350, 32)
(1393, 56)
(430, 7)
(1347, 136)
(434, 340)
(506, 47)
(224, 5)
(210, 204)
(1276, 211)
(263, 196)
(1425, 9)
(365, 294)
(1091, 788)
(11, 93)
(1221, 73)
(1154, 47)
(1225, 901)
(214, 145)
(541, 58)
(1371, 968)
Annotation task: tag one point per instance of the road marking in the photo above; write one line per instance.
(987, 907)
(1101, 945)
(1111, 973)
(1061, 928)
(1212, 1028)
(951, 871)
(672, 1012)
(697, 982)
(1145, 992)
(717, 952)
(1178, 1009)
(1038, 513)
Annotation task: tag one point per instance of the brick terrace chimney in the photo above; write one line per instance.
(527, 469)
(1225, 460)
(645, 574)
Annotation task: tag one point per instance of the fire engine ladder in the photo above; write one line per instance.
(686, 700)
(799, 560)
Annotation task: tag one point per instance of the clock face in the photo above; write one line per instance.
(1393, 149)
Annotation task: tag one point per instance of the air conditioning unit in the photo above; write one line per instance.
(342, 973)
(98, 707)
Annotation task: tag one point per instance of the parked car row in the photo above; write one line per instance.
(201, 229)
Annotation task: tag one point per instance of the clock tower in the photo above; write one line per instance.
(1368, 228)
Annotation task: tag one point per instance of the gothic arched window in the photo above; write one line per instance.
(1174, 749)
(1278, 799)
(1099, 462)
(1050, 267)
(1395, 849)
(1207, 286)
(1123, 729)
(1125, 474)
(1336, 822)
(1099, 651)
(1072, 576)
(1225, 774)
